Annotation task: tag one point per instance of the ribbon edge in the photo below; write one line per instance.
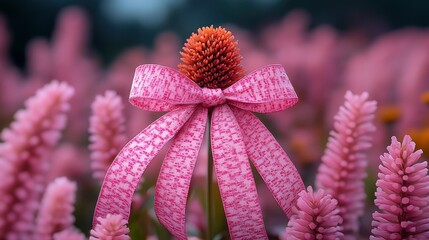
(166, 67)
(239, 104)
(274, 65)
(174, 104)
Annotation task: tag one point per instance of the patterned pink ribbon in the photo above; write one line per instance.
(236, 136)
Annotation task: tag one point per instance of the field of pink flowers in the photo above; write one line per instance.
(355, 134)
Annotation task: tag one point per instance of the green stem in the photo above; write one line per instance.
(209, 181)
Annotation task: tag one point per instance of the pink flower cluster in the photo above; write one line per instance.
(23, 157)
(107, 127)
(69, 234)
(322, 64)
(316, 216)
(342, 171)
(56, 210)
(402, 194)
(111, 227)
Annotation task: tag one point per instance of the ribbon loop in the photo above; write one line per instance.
(213, 97)
(265, 90)
(158, 88)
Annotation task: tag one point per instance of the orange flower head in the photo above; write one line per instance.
(389, 114)
(211, 58)
(425, 97)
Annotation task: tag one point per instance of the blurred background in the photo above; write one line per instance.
(326, 47)
(116, 25)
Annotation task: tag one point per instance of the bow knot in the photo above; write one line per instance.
(213, 97)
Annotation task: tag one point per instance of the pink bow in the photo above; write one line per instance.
(236, 136)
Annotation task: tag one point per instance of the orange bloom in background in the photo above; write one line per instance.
(388, 113)
(425, 97)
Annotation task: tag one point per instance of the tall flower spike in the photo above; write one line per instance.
(23, 164)
(316, 216)
(110, 227)
(342, 171)
(69, 234)
(211, 58)
(402, 194)
(56, 211)
(107, 132)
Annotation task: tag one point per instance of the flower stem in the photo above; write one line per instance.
(209, 181)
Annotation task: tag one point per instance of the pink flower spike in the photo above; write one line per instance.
(107, 131)
(342, 171)
(69, 234)
(23, 154)
(56, 211)
(404, 209)
(316, 216)
(111, 227)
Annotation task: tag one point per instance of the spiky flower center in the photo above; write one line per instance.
(211, 58)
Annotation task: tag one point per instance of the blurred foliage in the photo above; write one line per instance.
(29, 19)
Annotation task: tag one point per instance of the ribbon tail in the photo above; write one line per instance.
(176, 172)
(125, 172)
(236, 184)
(272, 163)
